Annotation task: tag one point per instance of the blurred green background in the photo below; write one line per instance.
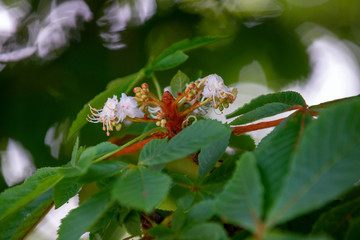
(57, 55)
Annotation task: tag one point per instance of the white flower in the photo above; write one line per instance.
(127, 107)
(106, 115)
(214, 87)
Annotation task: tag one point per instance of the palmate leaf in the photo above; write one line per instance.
(85, 159)
(32, 220)
(200, 212)
(336, 221)
(353, 231)
(102, 170)
(275, 152)
(81, 219)
(142, 189)
(210, 155)
(25, 219)
(286, 98)
(169, 61)
(188, 141)
(287, 236)
(178, 83)
(268, 110)
(325, 105)
(116, 87)
(325, 165)
(242, 198)
(19, 196)
(208, 231)
(64, 190)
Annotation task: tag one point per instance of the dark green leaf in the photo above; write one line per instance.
(102, 170)
(21, 222)
(222, 173)
(169, 61)
(108, 226)
(122, 85)
(32, 220)
(269, 109)
(161, 231)
(74, 154)
(353, 230)
(178, 83)
(132, 223)
(19, 196)
(142, 189)
(188, 141)
(288, 236)
(152, 149)
(64, 190)
(178, 219)
(200, 212)
(325, 105)
(325, 165)
(87, 156)
(242, 198)
(275, 152)
(210, 155)
(186, 45)
(335, 222)
(242, 143)
(80, 219)
(288, 98)
(208, 231)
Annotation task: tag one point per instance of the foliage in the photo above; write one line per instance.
(185, 185)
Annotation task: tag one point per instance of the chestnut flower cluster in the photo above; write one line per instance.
(213, 89)
(115, 111)
(146, 107)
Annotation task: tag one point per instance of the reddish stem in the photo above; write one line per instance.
(134, 147)
(257, 126)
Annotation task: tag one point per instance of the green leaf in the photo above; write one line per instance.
(178, 219)
(32, 220)
(142, 189)
(18, 225)
(288, 98)
(74, 153)
(325, 165)
(200, 212)
(178, 83)
(325, 105)
(80, 219)
(287, 236)
(353, 230)
(122, 85)
(242, 143)
(186, 45)
(335, 222)
(188, 141)
(152, 149)
(210, 155)
(222, 173)
(87, 156)
(102, 170)
(242, 198)
(269, 109)
(161, 231)
(208, 231)
(64, 190)
(169, 61)
(132, 223)
(19, 196)
(275, 152)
